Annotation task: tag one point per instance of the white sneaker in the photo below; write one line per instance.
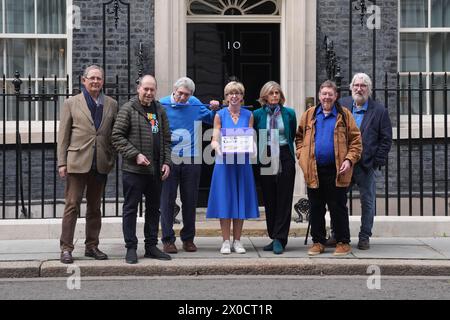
(226, 249)
(238, 247)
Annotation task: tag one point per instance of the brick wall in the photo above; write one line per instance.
(333, 20)
(88, 41)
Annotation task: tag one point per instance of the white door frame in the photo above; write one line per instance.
(297, 52)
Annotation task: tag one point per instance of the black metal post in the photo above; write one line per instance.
(386, 166)
(129, 43)
(421, 142)
(68, 91)
(446, 144)
(117, 157)
(17, 82)
(350, 43)
(374, 56)
(433, 142)
(104, 39)
(410, 142)
(4, 149)
(30, 99)
(399, 182)
(55, 144)
(43, 149)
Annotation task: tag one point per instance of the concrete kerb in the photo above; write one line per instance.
(414, 227)
(202, 267)
(20, 269)
(112, 228)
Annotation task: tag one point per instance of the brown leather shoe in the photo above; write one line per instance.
(170, 248)
(316, 249)
(96, 254)
(66, 257)
(189, 246)
(342, 249)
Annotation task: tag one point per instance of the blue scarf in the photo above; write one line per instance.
(96, 109)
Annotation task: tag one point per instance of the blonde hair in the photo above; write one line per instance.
(265, 90)
(233, 87)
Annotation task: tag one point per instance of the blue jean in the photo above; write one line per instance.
(365, 179)
(188, 177)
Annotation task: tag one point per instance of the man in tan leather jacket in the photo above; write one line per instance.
(85, 157)
(328, 145)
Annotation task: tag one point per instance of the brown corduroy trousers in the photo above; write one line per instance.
(75, 185)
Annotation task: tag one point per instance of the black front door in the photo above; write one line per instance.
(220, 53)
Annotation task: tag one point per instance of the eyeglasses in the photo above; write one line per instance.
(360, 85)
(234, 94)
(182, 94)
(94, 79)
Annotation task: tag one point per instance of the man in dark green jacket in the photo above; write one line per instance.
(141, 134)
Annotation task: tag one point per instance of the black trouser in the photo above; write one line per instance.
(134, 186)
(336, 200)
(278, 191)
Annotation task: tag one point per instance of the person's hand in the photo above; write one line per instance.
(62, 171)
(346, 166)
(142, 160)
(214, 105)
(166, 172)
(216, 147)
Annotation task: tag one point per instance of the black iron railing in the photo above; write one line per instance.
(414, 181)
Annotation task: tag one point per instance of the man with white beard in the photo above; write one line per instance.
(373, 120)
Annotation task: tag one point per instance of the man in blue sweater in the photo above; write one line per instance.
(186, 114)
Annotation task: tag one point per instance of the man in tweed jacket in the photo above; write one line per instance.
(141, 135)
(85, 157)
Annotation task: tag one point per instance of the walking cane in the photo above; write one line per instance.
(307, 231)
(176, 211)
(302, 207)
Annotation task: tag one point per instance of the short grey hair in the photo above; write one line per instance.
(93, 67)
(366, 79)
(186, 83)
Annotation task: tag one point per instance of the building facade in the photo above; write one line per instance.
(299, 43)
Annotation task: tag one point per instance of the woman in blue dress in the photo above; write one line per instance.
(232, 197)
